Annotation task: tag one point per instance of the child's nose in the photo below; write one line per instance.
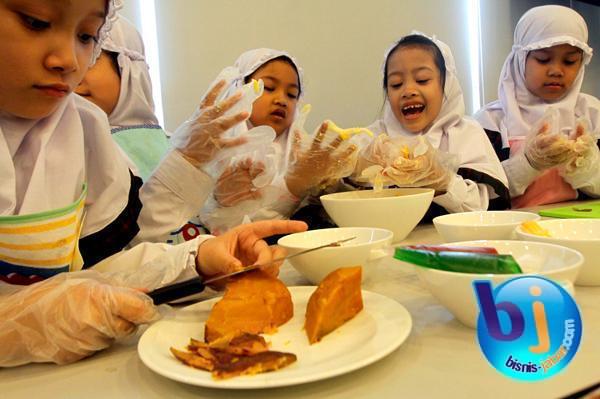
(62, 57)
(281, 100)
(555, 70)
(409, 91)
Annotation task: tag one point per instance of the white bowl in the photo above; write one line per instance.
(395, 209)
(455, 290)
(482, 225)
(580, 234)
(366, 250)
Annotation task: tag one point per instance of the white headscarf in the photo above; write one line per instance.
(451, 131)
(112, 6)
(517, 110)
(135, 106)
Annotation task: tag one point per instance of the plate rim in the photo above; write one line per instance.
(404, 316)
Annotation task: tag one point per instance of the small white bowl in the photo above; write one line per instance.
(366, 250)
(395, 209)
(455, 290)
(482, 225)
(582, 235)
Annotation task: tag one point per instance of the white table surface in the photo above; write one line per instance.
(440, 359)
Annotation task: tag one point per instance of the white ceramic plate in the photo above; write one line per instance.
(376, 331)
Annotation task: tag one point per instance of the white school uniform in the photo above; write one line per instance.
(45, 165)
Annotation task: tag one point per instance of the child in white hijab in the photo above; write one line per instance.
(424, 98)
(544, 129)
(119, 83)
(260, 184)
(68, 201)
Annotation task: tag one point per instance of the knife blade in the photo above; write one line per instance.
(273, 261)
(196, 285)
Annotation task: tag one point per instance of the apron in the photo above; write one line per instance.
(38, 246)
(144, 145)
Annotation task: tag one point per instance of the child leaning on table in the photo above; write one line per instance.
(544, 129)
(424, 102)
(59, 163)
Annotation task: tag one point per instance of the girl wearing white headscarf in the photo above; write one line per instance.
(520, 110)
(68, 200)
(234, 202)
(480, 182)
(119, 83)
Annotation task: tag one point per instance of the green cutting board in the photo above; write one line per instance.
(586, 210)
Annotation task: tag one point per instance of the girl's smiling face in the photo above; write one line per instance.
(277, 106)
(46, 49)
(414, 87)
(550, 72)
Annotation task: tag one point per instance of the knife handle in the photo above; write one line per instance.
(176, 291)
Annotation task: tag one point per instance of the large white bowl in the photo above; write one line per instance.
(366, 250)
(395, 209)
(580, 234)
(455, 290)
(482, 225)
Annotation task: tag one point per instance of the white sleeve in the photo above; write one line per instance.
(171, 196)
(153, 265)
(464, 195)
(520, 174)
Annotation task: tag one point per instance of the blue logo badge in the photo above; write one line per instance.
(529, 328)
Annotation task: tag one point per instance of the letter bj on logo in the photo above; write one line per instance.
(529, 328)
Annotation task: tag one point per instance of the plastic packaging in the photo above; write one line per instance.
(461, 262)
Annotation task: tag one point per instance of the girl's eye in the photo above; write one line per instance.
(268, 88)
(423, 81)
(34, 23)
(293, 96)
(543, 60)
(396, 85)
(87, 38)
(571, 62)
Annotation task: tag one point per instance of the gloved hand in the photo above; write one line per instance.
(244, 246)
(68, 317)
(544, 149)
(381, 151)
(199, 138)
(406, 163)
(322, 162)
(421, 171)
(584, 165)
(236, 183)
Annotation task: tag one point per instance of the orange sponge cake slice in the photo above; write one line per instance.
(254, 303)
(335, 301)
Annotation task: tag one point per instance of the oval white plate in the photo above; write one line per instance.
(376, 331)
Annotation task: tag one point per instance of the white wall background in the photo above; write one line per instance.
(339, 43)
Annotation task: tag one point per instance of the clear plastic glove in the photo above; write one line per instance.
(545, 150)
(244, 246)
(584, 165)
(314, 163)
(408, 163)
(236, 183)
(68, 317)
(200, 138)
